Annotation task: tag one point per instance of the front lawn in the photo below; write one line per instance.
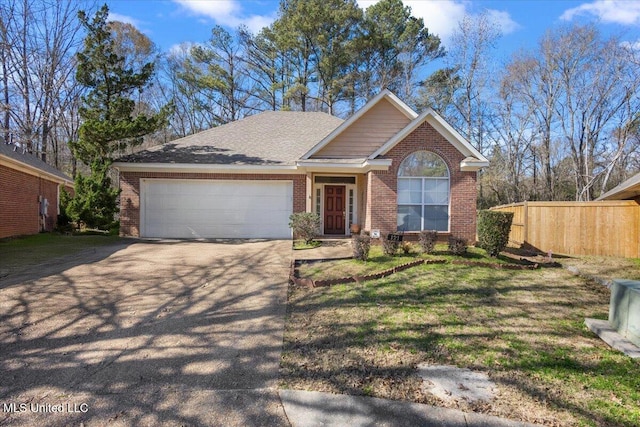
(33, 250)
(378, 261)
(525, 329)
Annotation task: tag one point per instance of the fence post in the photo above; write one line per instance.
(525, 233)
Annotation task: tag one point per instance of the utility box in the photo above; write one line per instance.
(624, 309)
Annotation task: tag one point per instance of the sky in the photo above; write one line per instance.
(168, 23)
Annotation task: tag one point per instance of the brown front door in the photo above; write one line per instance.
(334, 209)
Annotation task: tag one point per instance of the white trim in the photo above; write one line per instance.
(348, 187)
(204, 168)
(339, 167)
(444, 129)
(32, 170)
(395, 101)
(471, 164)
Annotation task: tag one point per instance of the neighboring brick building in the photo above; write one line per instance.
(29, 192)
(386, 168)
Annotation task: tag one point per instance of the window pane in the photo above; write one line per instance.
(423, 163)
(436, 218)
(436, 191)
(409, 190)
(409, 218)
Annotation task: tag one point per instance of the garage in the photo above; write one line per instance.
(192, 209)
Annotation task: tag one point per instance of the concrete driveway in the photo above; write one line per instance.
(173, 333)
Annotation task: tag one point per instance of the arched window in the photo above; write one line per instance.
(423, 193)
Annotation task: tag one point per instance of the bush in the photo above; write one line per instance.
(493, 231)
(305, 225)
(428, 241)
(457, 245)
(94, 201)
(389, 247)
(361, 244)
(407, 248)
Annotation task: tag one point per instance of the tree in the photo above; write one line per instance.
(466, 81)
(396, 46)
(109, 124)
(37, 42)
(317, 36)
(583, 91)
(220, 71)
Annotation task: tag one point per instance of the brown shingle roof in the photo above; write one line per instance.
(16, 153)
(268, 138)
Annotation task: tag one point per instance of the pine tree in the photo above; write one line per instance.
(110, 122)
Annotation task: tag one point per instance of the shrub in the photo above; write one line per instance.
(407, 248)
(389, 247)
(305, 225)
(493, 231)
(457, 245)
(428, 240)
(361, 244)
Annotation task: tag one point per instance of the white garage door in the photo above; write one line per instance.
(215, 209)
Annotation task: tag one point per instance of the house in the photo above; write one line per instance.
(628, 190)
(385, 168)
(29, 192)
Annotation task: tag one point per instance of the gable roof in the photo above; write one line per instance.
(474, 159)
(629, 189)
(271, 138)
(20, 158)
(385, 94)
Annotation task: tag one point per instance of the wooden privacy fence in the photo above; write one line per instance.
(607, 228)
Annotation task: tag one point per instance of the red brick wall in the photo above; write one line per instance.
(130, 195)
(19, 206)
(383, 184)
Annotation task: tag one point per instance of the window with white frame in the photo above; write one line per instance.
(423, 193)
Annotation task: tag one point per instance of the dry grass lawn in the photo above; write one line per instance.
(525, 329)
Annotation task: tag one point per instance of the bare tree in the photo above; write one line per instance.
(39, 39)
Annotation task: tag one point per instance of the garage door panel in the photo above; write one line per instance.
(216, 209)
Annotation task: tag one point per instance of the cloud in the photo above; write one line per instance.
(113, 16)
(608, 11)
(228, 13)
(442, 17)
(503, 20)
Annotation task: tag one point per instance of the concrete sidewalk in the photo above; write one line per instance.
(310, 409)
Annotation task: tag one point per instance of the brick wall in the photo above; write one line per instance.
(19, 206)
(130, 194)
(383, 184)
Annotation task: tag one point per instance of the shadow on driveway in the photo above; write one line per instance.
(147, 333)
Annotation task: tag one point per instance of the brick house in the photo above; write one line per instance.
(29, 192)
(385, 168)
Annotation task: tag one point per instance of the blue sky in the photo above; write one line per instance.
(171, 22)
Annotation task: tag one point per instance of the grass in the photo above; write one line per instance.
(525, 329)
(378, 261)
(605, 267)
(32, 250)
(302, 245)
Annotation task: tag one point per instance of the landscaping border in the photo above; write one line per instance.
(294, 273)
(495, 265)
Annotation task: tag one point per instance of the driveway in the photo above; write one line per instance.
(174, 333)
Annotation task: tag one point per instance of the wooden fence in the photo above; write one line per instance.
(607, 228)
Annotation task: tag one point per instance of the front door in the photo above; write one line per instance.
(334, 209)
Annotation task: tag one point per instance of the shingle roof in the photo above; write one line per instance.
(626, 190)
(16, 153)
(268, 138)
